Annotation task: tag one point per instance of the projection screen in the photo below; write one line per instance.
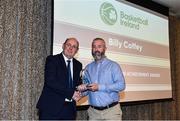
(136, 38)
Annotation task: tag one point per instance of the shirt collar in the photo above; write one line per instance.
(101, 61)
(65, 58)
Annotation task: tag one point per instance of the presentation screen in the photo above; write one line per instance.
(136, 38)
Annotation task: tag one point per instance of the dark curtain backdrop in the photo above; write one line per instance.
(25, 42)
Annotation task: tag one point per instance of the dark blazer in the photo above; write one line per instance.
(55, 90)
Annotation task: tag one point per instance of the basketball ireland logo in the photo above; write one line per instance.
(108, 13)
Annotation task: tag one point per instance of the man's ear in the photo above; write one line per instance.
(63, 46)
(77, 49)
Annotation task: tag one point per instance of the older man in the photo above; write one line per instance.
(58, 98)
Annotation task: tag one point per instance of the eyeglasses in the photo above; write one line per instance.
(72, 46)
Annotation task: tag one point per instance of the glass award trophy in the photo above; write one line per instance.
(85, 76)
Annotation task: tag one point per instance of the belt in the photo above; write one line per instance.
(106, 107)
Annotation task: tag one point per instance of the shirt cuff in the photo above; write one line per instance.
(67, 100)
(102, 87)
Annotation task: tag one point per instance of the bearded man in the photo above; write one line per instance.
(106, 80)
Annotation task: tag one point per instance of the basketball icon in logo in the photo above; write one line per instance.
(108, 13)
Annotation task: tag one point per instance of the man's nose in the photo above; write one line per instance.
(96, 48)
(70, 47)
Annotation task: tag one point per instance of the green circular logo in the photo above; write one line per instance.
(108, 13)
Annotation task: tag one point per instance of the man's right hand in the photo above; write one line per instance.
(77, 96)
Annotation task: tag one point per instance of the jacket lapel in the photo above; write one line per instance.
(62, 62)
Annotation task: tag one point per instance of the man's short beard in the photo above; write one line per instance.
(98, 55)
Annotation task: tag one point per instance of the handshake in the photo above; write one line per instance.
(82, 88)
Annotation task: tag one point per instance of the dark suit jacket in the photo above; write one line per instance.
(55, 88)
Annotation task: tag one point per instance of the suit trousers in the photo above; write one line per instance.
(68, 112)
